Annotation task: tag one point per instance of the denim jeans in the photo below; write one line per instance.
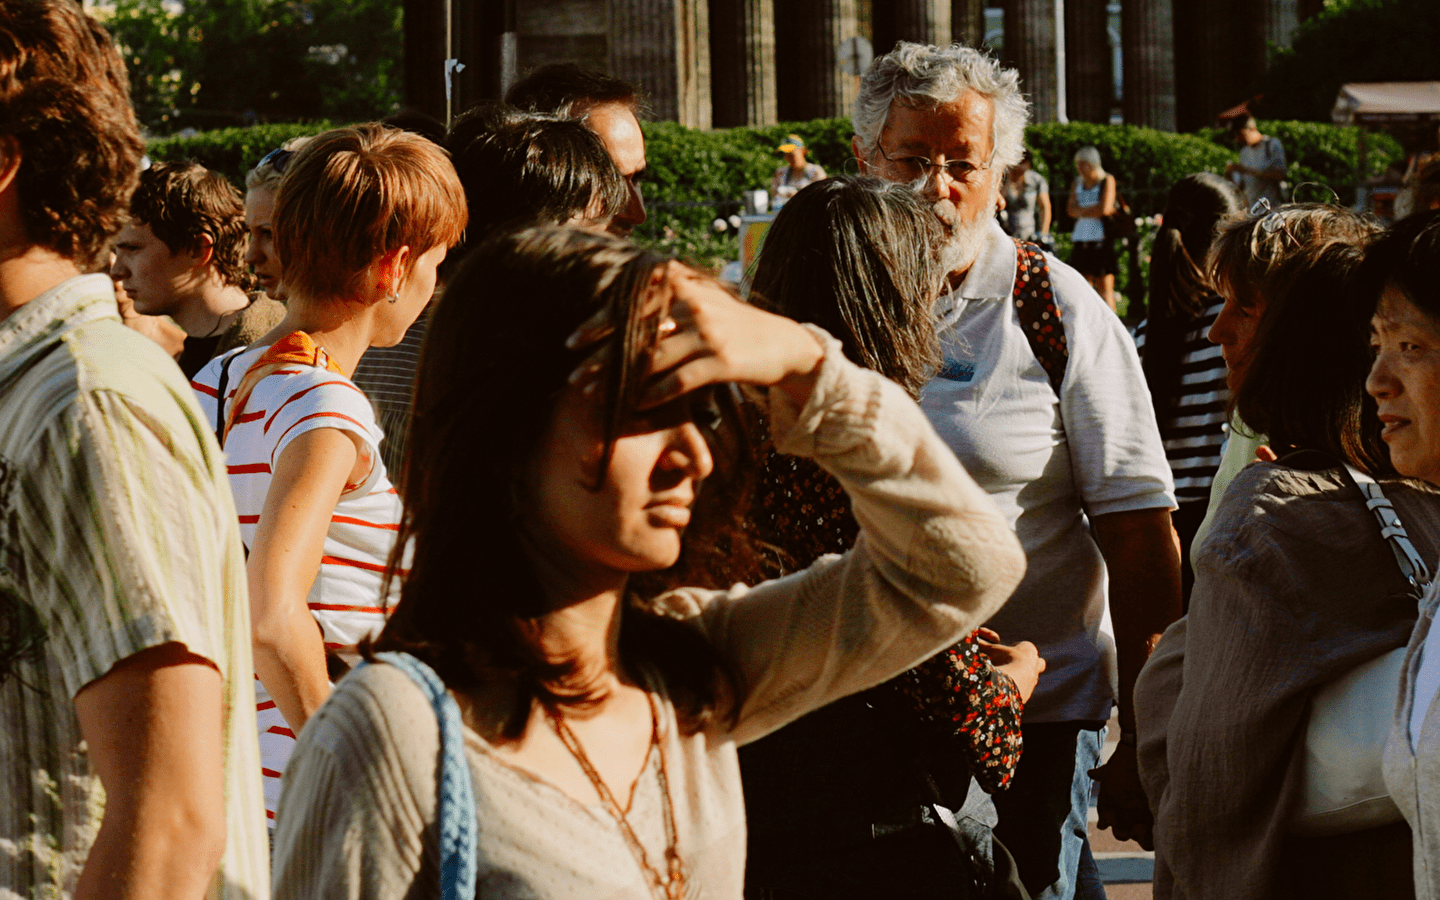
(1044, 814)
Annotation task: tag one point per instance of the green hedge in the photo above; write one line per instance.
(695, 177)
(1145, 162)
(1326, 155)
(231, 151)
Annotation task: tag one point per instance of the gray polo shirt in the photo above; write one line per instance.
(1049, 462)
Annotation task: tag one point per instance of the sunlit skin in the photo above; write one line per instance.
(619, 130)
(183, 284)
(155, 279)
(260, 254)
(310, 476)
(1405, 382)
(583, 544)
(634, 523)
(959, 130)
(1234, 330)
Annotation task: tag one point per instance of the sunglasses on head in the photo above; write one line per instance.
(277, 159)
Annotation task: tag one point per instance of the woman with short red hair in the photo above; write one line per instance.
(362, 218)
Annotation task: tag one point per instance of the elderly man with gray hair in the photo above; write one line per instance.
(1042, 397)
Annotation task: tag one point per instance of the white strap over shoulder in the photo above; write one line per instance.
(1391, 528)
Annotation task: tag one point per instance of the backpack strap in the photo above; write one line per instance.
(220, 398)
(1039, 315)
(454, 794)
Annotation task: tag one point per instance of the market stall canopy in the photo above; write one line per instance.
(1384, 102)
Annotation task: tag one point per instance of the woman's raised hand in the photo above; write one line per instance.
(707, 336)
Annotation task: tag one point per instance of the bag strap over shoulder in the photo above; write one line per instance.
(455, 794)
(1412, 566)
(220, 397)
(1038, 312)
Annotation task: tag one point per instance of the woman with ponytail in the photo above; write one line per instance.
(1185, 372)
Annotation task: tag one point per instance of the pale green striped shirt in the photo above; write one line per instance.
(117, 533)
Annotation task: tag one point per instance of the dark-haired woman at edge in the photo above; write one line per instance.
(843, 803)
(602, 715)
(1184, 371)
(1294, 584)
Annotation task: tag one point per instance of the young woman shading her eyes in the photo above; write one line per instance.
(578, 457)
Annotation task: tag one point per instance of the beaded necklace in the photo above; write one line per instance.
(671, 884)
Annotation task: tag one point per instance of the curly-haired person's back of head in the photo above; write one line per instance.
(184, 203)
(65, 112)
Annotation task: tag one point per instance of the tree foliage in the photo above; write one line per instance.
(221, 63)
(1351, 41)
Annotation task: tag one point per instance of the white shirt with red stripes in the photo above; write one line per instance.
(345, 598)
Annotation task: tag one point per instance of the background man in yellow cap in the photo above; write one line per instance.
(796, 173)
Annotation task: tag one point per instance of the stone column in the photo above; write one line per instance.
(1030, 47)
(664, 46)
(425, 56)
(742, 62)
(1089, 86)
(809, 83)
(1281, 19)
(1147, 32)
(967, 22)
(1219, 53)
(922, 21)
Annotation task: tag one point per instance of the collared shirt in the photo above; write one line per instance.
(117, 534)
(1050, 462)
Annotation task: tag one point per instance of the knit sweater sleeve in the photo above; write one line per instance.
(357, 815)
(934, 559)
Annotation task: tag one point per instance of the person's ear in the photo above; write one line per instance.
(9, 162)
(204, 252)
(859, 157)
(390, 271)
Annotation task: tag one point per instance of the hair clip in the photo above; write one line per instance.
(1272, 221)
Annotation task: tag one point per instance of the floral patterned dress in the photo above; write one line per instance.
(801, 513)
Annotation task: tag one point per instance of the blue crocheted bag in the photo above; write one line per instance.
(455, 797)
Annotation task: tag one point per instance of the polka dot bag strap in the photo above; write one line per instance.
(1039, 316)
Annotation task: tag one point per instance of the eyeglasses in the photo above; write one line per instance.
(919, 167)
(277, 159)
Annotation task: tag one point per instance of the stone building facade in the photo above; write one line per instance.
(724, 63)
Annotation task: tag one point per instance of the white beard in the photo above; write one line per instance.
(959, 251)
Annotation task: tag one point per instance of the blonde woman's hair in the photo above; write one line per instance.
(1092, 156)
(266, 175)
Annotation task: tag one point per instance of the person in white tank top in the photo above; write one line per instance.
(1092, 197)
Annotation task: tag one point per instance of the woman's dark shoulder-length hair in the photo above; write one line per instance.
(1179, 288)
(1408, 257)
(1304, 386)
(857, 256)
(493, 367)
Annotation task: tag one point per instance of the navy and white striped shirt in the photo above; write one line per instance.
(1195, 431)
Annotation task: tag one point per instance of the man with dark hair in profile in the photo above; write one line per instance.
(126, 733)
(608, 106)
(182, 255)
